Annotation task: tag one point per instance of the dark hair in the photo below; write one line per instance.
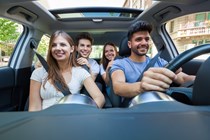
(104, 60)
(84, 35)
(139, 26)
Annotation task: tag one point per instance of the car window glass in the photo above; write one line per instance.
(10, 31)
(42, 50)
(97, 50)
(190, 31)
(152, 49)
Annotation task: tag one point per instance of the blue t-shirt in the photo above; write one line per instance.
(131, 69)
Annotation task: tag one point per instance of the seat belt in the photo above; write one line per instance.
(45, 65)
(152, 62)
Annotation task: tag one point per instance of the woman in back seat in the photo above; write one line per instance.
(109, 53)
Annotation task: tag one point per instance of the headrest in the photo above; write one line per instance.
(124, 50)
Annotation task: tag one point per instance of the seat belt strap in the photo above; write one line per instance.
(45, 65)
(152, 62)
(42, 60)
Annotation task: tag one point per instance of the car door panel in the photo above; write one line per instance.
(7, 83)
(21, 91)
(14, 87)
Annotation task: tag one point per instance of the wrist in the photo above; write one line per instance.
(88, 65)
(140, 89)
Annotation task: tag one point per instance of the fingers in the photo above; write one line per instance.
(82, 61)
(150, 87)
(166, 73)
(110, 63)
(158, 79)
(178, 71)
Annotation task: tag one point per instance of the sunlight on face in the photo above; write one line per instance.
(61, 49)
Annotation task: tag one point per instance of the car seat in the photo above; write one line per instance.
(124, 51)
(201, 88)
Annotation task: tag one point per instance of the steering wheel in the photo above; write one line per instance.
(186, 56)
(181, 59)
(77, 99)
(174, 65)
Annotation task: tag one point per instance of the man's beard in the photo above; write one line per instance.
(139, 53)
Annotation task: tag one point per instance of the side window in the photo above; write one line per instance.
(97, 51)
(9, 33)
(152, 49)
(190, 31)
(42, 50)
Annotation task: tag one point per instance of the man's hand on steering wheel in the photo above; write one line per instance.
(157, 79)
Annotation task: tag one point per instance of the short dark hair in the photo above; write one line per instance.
(139, 26)
(84, 35)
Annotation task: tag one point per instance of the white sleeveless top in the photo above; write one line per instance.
(49, 94)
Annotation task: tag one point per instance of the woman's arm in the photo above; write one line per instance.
(35, 101)
(105, 76)
(94, 92)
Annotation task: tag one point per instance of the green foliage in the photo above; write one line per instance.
(8, 30)
(43, 46)
(8, 35)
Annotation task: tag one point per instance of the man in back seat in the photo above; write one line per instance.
(84, 43)
(125, 72)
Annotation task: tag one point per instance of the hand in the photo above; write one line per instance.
(157, 79)
(109, 65)
(82, 61)
(178, 71)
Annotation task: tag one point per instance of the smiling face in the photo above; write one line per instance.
(84, 48)
(110, 52)
(61, 49)
(139, 43)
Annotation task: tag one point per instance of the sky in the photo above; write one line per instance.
(55, 4)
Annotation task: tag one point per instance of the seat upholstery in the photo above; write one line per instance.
(201, 88)
(124, 51)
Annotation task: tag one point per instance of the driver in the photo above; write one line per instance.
(125, 72)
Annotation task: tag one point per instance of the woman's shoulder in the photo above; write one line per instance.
(39, 73)
(39, 70)
(79, 69)
(80, 72)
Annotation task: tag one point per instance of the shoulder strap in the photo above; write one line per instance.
(152, 62)
(45, 65)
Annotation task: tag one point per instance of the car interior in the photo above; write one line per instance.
(182, 112)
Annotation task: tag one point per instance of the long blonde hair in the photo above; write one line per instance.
(54, 73)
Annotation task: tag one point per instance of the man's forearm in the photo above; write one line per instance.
(127, 89)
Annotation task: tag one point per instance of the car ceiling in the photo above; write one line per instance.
(159, 14)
